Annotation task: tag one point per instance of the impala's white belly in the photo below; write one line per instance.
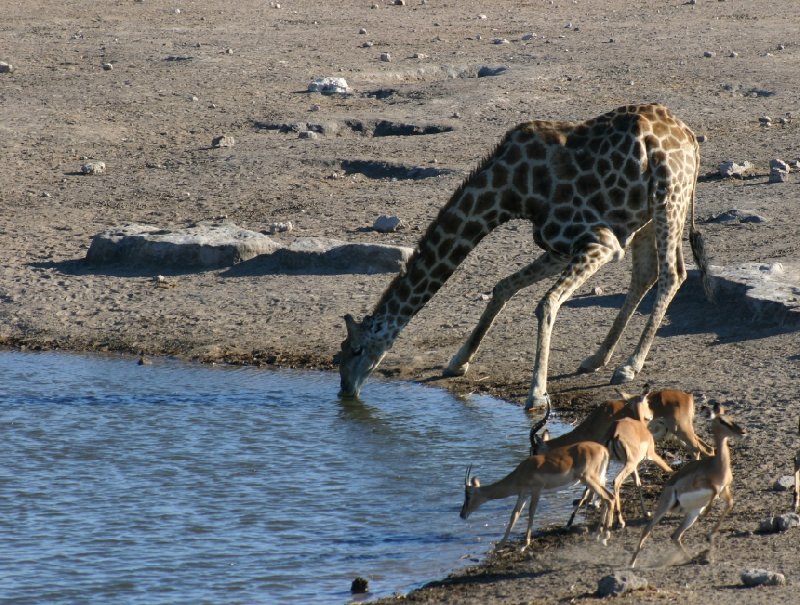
(694, 500)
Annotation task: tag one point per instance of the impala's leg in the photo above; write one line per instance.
(643, 276)
(587, 493)
(583, 265)
(545, 266)
(645, 514)
(727, 496)
(677, 535)
(618, 480)
(666, 501)
(671, 273)
(607, 516)
(531, 511)
(514, 515)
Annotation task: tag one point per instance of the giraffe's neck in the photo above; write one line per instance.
(475, 209)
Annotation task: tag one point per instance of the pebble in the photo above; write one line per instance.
(500, 41)
(779, 523)
(778, 171)
(386, 57)
(6, 68)
(329, 85)
(363, 30)
(784, 483)
(765, 121)
(482, 17)
(528, 36)
(307, 134)
(93, 168)
(387, 224)
(733, 54)
(107, 66)
(223, 140)
(280, 228)
(420, 56)
(701, 138)
(709, 54)
(762, 577)
(620, 583)
(368, 44)
(734, 169)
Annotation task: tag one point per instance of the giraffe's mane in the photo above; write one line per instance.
(487, 159)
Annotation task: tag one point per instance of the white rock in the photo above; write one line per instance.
(709, 54)
(6, 68)
(93, 168)
(387, 224)
(107, 66)
(307, 134)
(762, 577)
(731, 168)
(329, 85)
(778, 171)
(386, 57)
(223, 140)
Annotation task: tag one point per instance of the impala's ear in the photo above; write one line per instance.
(545, 435)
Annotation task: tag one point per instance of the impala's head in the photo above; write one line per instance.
(538, 441)
(361, 353)
(640, 404)
(472, 495)
(723, 425)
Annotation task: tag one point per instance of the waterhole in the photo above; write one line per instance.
(178, 483)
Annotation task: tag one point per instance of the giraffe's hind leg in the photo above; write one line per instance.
(643, 275)
(545, 266)
(669, 214)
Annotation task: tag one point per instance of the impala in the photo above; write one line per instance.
(630, 442)
(796, 499)
(692, 489)
(673, 414)
(585, 462)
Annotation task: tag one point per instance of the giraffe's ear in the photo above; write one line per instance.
(351, 325)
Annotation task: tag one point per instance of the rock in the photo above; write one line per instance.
(279, 228)
(6, 68)
(399, 2)
(107, 66)
(778, 171)
(223, 141)
(387, 224)
(701, 138)
(736, 216)
(205, 245)
(620, 583)
(307, 134)
(500, 41)
(93, 168)
(734, 169)
(784, 483)
(386, 57)
(709, 54)
(362, 31)
(359, 585)
(329, 85)
(528, 36)
(762, 577)
(765, 121)
(780, 523)
(322, 256)
(485, 71)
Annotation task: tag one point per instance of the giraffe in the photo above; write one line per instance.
(592, 189)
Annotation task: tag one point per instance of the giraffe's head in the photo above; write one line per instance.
(361, 353)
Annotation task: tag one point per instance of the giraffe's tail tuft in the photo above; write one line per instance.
(698, 245)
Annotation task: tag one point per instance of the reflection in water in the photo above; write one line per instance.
(177, 483)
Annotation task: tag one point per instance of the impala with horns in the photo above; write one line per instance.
(673, 414)
(585, 462)
(694, 488)
(630, 442)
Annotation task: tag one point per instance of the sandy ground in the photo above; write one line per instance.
(186, 71)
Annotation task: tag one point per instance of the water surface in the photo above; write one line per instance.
(177, 483)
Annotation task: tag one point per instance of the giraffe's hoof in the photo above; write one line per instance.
(590, 364)
(623, 374)
(455, 370)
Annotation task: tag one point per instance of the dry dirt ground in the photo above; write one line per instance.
(186, 71)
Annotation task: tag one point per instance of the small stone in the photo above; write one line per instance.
(386, 57)
(279, 228)
(107, 66)
(93, 168)
(368, 44)
(485, 71)
(709, 54)
(778, 171)
(374, 5)
(399, 2)
(781, 47)
(329, 85)
(733, 54)
(228, 51)
(315, 107)
(779, 523)
(528, 36)
(794, 164)
(387, 224)
(420, 56)
(359, 585)
(362, 31)
(736, 216)
(177, 11)
(701, 138)
(597, 291)
(762, 577)
(194, 98)
(144, 361)
(765, 121)
(6, 68)
(307, 134)
(620, 583)
(223, 141)
(482, 17)
(500, 41)
(734, 169)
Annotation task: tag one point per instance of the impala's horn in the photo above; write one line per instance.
(466, 479)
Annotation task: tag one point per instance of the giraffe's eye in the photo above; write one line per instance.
(357, 351)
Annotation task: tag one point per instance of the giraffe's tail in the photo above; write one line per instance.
(698, 245)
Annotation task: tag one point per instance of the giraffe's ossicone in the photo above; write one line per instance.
(624, 180)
